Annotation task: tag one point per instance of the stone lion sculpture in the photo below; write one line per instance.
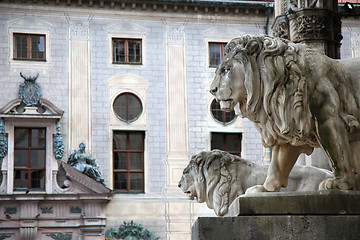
(218, 178)
(298, 99)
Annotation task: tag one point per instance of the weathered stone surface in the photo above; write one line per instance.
(330, 214)
(218, 178)
(277, 227)
(298, 99)
(311, 202)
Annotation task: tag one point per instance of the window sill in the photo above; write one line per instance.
(127, 192)
(116, 63)
(29, 60)
(30, 64)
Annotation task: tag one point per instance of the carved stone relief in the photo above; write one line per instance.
(79, 29)
(175, 34)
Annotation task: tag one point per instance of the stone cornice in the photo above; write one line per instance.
(163, 6)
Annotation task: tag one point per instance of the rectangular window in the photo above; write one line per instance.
(216, 53)
(29, 158)
(126, 51)
(229, 142)
(128, 161)
(29, 47)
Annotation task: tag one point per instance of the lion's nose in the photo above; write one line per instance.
(213, 90)
(179, 185)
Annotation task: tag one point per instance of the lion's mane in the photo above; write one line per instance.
(211, 168)
(276, 84)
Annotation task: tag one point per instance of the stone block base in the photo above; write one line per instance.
(277, 227)
(307, 215)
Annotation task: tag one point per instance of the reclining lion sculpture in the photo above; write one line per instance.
(298, 99)
(218, 178)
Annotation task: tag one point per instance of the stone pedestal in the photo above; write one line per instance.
(295, 215)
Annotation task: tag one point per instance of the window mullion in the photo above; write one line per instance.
(128, 161)
(126, 51)
(29, 158)
(29, 47)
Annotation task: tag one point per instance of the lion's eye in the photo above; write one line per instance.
(226, 69)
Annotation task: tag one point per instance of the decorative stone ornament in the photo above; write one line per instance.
(3, 140)
(30, 91)
(59, 236)
(84, 163)
(58, 143)
(131, 230)
(316, 23)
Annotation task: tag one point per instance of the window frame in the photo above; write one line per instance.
(29, 169)
(222, 49)
(126, 51)
(127, 106)
(9, 161)
(29, 44)
(224, 143)
(128, 171)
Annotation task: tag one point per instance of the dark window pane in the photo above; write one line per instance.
(217, 142)
(214, 54)
(134, 51)
(38, 179)
(120, 161)
(21, 138)
(20, 179)
(37, 47)
(230, 142)
(21, 158)
(136, 161)
(120, 181)
(136, 181)
(38, 138)
(119, 51)
(38, 158)
(120, 106)
(136, 141)
(119, 141)
(21, 47)
(233, 142)
(135, 107)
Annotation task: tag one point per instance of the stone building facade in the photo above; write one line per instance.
(86, 82)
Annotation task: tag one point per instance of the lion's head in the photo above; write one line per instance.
(263, 75)
(207, 179)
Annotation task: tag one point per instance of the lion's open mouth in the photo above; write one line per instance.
(227, 105)
(191, 195)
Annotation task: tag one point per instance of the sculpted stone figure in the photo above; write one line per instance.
(218, 178)
(298, 99)
(84, 163)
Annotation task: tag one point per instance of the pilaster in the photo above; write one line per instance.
(79, 83)
(177, 211)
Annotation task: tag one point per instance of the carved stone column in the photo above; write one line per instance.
(79, 83)
(314, 22)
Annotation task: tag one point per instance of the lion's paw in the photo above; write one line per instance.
(255, 189)
(334, 183)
